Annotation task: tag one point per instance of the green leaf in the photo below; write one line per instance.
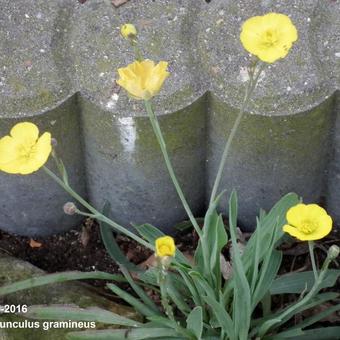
(315, 318)
(266, 326)
(129, 334)
(242, 300)
(276, 217)
(137, 304)
(189, 283)
(56, 278)
(315, 301)
(295, 283)
(289, 334)
(162, 321)
(224, 320)
(268, 272)
(211, 243)
(175, 295)
(256, 262)
(263, 236)
(139, 291)
(79, 314)
(166, 322)
(195, 322)
(111, 245)
(329, 333)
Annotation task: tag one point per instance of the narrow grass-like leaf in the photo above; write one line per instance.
(191, 286)
(135, 303)
(176, 297)
(139, 291)
(242, 300)
(213, 239)
(269, 270)
(266, 326)
(195, 322)
(329, 333)
(57, 278)
(289, 334)
(79, 314)
(224, 319)
(276, 216)
(163, 321)
(317, 300)
(317, 317)
(255, 265)
(295, 283)
(111, 245)
(218, 308)
(129, 334)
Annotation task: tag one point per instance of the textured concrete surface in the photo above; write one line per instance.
(58, 69)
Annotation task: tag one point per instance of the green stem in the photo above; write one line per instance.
(158, 132)
(315, 289)
(249, 90)
(312, 257)
(136, 49)
(306, 299)
(164, 296)
(98, 215)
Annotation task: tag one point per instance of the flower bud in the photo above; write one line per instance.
(333, 252)
(70, 208)
(165, 246)
(128, 31)
(54, 142)
(165, 249)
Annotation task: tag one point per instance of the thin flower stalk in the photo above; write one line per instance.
(312, 257)
(96, 213)
(159, 135)
(249, 90)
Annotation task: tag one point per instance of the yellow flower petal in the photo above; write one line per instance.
(293, 231)
(23, 152)
(25, 131)
(143, 79)
(9, 154)
(269, 37)
(165, 246)
(42, 151)
(295, 214)
(308, 222)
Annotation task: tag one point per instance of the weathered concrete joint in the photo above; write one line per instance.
(58, 70)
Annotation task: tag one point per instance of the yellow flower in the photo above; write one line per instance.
(143, 79)
(308, 222)
(23, 152)
(165, 246)
(269, 37)
(128, 31)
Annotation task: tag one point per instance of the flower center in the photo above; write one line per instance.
(165, 250)
(270, 38)
(307, 226)
(26, 151)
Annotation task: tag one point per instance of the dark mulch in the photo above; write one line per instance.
(80, 249)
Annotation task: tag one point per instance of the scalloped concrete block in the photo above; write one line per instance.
(57, 69)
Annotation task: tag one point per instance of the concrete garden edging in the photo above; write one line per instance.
(57, 70)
